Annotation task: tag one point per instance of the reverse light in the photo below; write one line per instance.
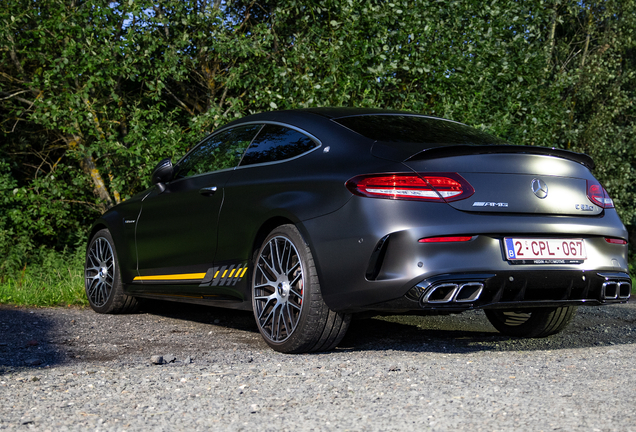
(439, 187)
(446, 239)
(598, 195)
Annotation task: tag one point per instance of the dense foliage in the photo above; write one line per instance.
(93, 93)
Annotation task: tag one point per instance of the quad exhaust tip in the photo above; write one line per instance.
(464, 292)
(468, 292)
(616, 290)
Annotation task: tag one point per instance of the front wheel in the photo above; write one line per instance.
(102, 279)
(532, 322)
(288, 306)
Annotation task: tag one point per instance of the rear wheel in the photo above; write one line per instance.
(102, 279)
(532, 323)
(288, 306)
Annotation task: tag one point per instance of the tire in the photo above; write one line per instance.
(288, 306)
(102, 278)
(531, 323)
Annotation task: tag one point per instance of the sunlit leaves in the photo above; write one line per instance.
(128, 83)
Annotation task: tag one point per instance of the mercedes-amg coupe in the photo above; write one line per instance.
(308, 216)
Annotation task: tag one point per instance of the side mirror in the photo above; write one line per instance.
(163, 173)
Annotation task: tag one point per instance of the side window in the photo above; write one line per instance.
(275, 143)
(220, 151)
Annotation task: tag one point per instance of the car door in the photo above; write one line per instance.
(265, 181)
(176, 233)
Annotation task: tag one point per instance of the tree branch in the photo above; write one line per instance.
(14, 56)
(551, 37)
(181, 104)
(14, 94)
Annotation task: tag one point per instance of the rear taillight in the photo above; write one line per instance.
(438, 187)
(598, 195)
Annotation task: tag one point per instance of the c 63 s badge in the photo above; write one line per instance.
(584, 207)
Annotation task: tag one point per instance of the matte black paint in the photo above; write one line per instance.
(366, 250)
(177, 228)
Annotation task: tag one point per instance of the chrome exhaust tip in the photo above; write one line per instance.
(609, 291)
(616, 290)
(469, 292)
(625, 291)
(443, 293)
(450, 292)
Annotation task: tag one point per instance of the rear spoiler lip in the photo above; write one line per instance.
(463, 150)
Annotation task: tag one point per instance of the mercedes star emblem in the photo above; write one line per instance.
(539, 188)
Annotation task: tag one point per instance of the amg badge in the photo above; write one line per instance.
(489, 204)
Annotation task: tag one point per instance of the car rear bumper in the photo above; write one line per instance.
(512, 290)
(366, 262)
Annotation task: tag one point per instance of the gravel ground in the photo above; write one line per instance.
(70, 369)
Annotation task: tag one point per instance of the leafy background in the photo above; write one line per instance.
(94, 93)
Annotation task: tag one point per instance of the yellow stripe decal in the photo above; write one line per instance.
(216, 274)
(224, 273)
(231, 273)
(243, 272)
(185, 276)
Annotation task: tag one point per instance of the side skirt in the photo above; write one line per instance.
(211, 300)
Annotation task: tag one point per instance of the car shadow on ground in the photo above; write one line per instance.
(34, 338)
(471, 332)
(25, 337)
(462, 333)
(230, 318)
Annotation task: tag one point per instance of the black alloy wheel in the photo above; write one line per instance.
(102, 280)
(286, 297)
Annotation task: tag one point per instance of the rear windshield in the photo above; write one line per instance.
(413, 129)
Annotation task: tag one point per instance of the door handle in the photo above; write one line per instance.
(208, 191)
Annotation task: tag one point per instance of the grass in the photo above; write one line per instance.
(56, 279)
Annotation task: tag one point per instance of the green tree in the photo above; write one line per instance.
(93, 93)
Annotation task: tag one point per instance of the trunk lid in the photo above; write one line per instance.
(521, 183)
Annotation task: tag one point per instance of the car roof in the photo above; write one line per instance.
(304, 115)
(316, 120)
(338, 112)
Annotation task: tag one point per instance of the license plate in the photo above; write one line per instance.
(549, 250)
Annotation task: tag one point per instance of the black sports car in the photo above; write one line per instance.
(309, 216)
